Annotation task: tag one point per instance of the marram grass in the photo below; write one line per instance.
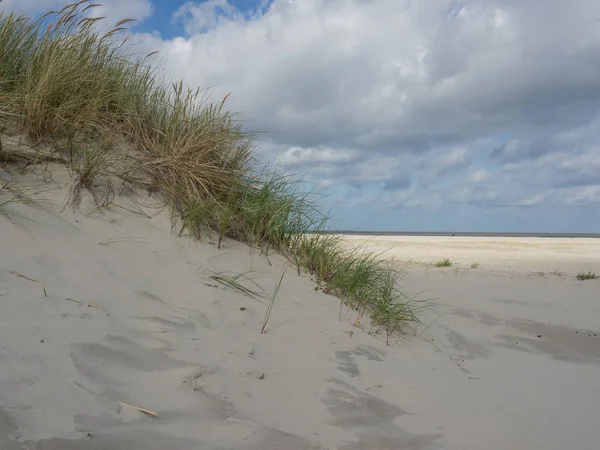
(107, 114)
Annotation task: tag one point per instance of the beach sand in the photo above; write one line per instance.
(523, 255)
(104, 309)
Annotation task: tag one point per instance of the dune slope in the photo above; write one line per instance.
(108, 307)
(107, 310)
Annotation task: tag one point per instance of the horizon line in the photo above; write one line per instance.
(466, 233)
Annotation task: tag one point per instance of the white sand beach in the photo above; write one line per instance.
(106, 309)
(501, 254)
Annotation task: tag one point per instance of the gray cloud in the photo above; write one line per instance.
(453, 161)
(399, 182)
(394, 76)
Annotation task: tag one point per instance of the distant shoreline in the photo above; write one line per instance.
(464, 234)
(515, 253)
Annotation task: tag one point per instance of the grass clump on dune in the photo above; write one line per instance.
(360, 278)
(80, 96)
(444, 263)
(589, 275)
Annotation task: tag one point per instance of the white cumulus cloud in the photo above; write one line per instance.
(453, 105)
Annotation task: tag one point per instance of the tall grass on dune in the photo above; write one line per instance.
(82, 96)
(108, 114)
(362, 279)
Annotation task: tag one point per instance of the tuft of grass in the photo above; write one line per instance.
(80, 96)
(362, 279)
(272, 302)
(106, 112)
(235, 282)
(443, 263)
(475, 266)
(582, 276)
(11, 195)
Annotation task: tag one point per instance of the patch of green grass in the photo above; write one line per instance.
(361, 279)
(581, 276)
(81, 97)
(443, 263)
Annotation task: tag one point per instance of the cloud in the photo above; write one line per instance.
(398, 182)
(456, 107)
(453, 160)
(395, 76)
(588, 196)
(113, 10)
(201, 17)
(478, 176)
(299, 157)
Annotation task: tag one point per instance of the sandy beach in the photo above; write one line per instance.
(510, 255)
(106, 310)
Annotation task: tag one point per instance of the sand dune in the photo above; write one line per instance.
(104, 309)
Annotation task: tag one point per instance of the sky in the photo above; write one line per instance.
(408, 115)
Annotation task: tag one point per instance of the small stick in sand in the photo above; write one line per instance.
(29, 279)
(30, 329)
(98, 307)
(145, 411)
(74, 301)
(194, 387)
(375, 386)
(192, 377)
(23, 276)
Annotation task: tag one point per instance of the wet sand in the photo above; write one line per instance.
(102, 309)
